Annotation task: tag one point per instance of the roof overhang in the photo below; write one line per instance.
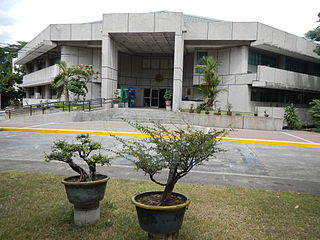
(29, 53)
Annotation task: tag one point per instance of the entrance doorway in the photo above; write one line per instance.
(153, 97)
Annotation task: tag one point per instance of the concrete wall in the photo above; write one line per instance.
(278, 112)
(233, 61)
(92, 56)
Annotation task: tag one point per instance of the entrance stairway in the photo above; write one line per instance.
(145, 115)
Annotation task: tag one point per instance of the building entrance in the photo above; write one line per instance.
(153, 97)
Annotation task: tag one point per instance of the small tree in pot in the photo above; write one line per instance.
(178, 150)
(87, 189)
(168, 98)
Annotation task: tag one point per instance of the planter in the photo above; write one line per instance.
(168, 105)
(161, 222)
(229, 113)
(85, 196)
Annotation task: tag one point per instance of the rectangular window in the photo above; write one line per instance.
(199, 57)
(146, 63)
(256, 59)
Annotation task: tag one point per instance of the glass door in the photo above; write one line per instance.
(151, 97)
(155, 98)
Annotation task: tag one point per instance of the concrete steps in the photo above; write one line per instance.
(145, 115)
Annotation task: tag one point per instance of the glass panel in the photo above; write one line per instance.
(146, 102)
(154, 102)
(146, 92)
(155, 93)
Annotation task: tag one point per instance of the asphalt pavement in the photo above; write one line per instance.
(250, 164)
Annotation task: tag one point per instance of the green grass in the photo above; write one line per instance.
(34, 206)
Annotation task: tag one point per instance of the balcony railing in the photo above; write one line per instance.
(283, 79)
(41, 77)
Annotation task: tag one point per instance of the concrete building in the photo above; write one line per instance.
(263, 68)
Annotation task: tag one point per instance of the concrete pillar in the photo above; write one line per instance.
(178, 71)
(47, 61)
(282, 62)
(48, 92)
(109, 73)
(86, 217)
(28, 94)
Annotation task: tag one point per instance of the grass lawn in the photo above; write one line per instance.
(34, 206)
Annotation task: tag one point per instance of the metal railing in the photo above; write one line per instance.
(65, 106)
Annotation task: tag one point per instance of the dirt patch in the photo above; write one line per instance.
(154, 200)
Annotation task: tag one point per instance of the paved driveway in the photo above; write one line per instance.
(244, 165)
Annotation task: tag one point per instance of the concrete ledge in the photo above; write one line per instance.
(223, 121)
(239, 122)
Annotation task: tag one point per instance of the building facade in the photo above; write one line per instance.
(261, 67)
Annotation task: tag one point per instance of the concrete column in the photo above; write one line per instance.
(109, 73)
(282, 62)
(47, 61)
(48, 92)
(178, 71)
(28, 94)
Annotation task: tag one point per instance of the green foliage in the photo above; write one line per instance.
(84, 146)
(168, 95)
(292, 118)
(9, 80)
(211, 80)
(73, 79)
(315, 112)
(174, 148)
(315, 35)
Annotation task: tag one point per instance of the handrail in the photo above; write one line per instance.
(84, 105)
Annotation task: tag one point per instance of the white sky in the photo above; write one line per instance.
(22, 20)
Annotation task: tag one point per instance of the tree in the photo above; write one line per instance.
(9, 80)
(211, 80)
(73, 79)
(176, 149)
(292, 118)
(315, 112)
(65, 152)
(315, 35)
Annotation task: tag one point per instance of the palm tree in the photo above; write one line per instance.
(68, 78)
(60, 82)
(211, 80)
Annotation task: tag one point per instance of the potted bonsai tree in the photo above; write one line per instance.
(88, 188)
(161, 213)
(168, 98)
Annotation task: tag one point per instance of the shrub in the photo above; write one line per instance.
(292, 118)
(315, 112)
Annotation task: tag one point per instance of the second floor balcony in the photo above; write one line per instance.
(278, 78)
(41, 77)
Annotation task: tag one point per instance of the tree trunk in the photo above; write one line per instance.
(80, 170)
(66, 94)
(169, 186)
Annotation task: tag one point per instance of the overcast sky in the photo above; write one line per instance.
(22, 20)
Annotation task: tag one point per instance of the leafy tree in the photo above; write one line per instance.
(211, 80)
(176, 149)
(315, 112)
(315, 35)
(73, 79)
(65, 152)
(9, 90)
(291, 116)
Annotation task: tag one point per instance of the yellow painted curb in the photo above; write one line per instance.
(137, 134)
